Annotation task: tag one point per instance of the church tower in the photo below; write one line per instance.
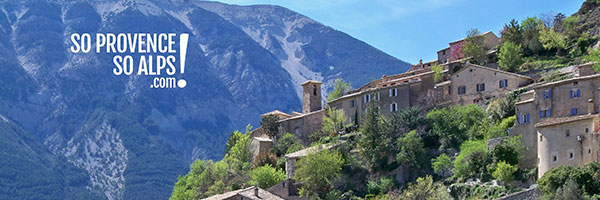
(311, 96)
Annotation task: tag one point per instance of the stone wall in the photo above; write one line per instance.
(529, 194)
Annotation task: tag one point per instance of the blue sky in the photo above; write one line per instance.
(415, 29)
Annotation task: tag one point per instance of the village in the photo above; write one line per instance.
(557, 121)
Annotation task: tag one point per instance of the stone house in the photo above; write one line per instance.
(550, 116)
(305, 123)
(454, 50)
(475, 84)
(390, 94)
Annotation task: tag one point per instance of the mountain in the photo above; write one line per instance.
(93, 134)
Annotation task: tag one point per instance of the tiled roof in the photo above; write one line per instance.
(524, 101)
(311, 81)
(247, 193)
(567, 81)
(275, 112)
(309, 150)
(562, 120)
(491, 69)
(302, 115)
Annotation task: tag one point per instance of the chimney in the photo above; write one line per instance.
(591, 106)
(420, 61)
(256, 191)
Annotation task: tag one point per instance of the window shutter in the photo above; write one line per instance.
(548, 113)
(390, 92)
(520, 116)
(572, 111)
(541, 114)
(571, 94)
(527, 118)
(544, 95)
(505, 83)
(500, 84)
(549, 94)
(578, 93)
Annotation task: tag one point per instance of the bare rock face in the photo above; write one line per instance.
(126, 140)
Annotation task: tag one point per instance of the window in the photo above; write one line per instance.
(587, 130)
(574, 93)
(393, 107)
(297, 130)
(547, 94)
(378, 109)
(544, 113)
(480, 87)
(527, 118)
(574, 111)
(541, 138)
(367, 98)
(462, 89)
(571, 156)
(376, 96)
(554, 158)
(393, 92)
(352, 104)
(567, 133)
(503, 83)
(314, 90)
(589, 151)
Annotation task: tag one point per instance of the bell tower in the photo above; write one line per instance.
(311, 96)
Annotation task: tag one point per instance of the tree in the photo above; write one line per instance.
(339, 89)
(412, 151)
(474, 47)
(442, 166)
(233, 138)
(586, 177)
(374, 142)
(510, 150)
(512, 32)
(318, 171)
(552, 40)
(269, 125)
(470, 162)
(333, 123)
(594, 56)
(510, 56)
(405, 120)
(456, 124)
(266, 176)
(425, 189)
(504, 172)
(531, 34)
(438, 72)
(239, 156)
(569, 191)
(286, 141)
(503, 107)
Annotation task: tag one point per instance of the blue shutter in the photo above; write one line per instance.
(572, 111)
(505, 83)
(527, 118)
(578, 93)
(571, 94)
(548, 113)
(544, 95)
(520, 116)
(549, 94)
(541, 114)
